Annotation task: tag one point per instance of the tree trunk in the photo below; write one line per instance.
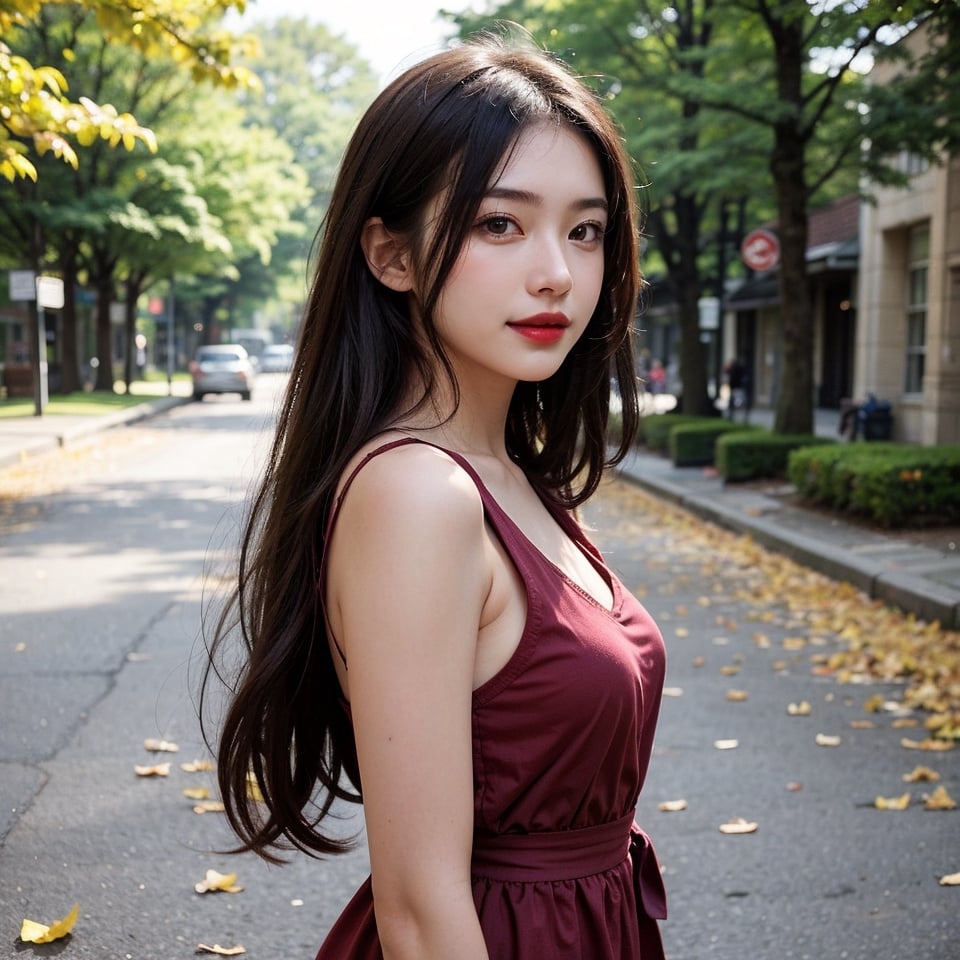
(794, 410)
(132, 290)
(679, 250)
(104, 379)
(70, 377)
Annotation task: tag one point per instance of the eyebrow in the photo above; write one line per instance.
(536, 200)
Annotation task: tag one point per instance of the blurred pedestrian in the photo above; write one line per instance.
(657, 376)
(426, 623)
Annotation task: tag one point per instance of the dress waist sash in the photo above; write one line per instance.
(548, 857)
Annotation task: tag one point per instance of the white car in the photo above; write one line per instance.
(222, 368)
(276, 358)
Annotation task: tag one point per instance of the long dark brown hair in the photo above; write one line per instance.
(443, 128)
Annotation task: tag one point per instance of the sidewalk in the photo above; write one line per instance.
(918, 579)
(22, 437)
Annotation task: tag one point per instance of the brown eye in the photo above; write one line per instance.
(587, 233)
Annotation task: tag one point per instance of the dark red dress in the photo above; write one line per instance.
(562, 737)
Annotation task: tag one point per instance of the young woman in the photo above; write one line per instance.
(423, 615)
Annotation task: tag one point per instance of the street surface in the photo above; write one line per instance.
(103, 567)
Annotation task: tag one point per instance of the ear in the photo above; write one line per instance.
(386, 257)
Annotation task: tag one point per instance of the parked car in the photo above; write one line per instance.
(276, 358)
(222, 368)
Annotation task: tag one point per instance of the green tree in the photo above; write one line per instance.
(802, 85)
(729, 83)
(313, 86)
(36, 116)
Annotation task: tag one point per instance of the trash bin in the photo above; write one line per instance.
(875, 419)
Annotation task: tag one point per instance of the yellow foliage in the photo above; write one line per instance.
(33, 932)
(893, 803)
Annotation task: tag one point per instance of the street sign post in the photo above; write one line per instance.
(49, 296)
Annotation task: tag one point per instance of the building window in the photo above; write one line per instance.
(917, 267)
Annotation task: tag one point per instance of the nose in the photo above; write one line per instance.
(549, 271)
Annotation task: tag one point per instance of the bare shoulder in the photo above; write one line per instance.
(412, 484)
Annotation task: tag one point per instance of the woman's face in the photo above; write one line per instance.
(529, 276)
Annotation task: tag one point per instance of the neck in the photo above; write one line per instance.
(477, 425)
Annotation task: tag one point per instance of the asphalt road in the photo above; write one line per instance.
(100, 597)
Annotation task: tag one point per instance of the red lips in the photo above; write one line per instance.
(542, 327)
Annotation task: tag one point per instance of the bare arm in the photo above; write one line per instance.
(407, 583)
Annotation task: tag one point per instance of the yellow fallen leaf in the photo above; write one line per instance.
(862, 724)
(801, 709)
(931, 745)
(682, 632)
(950, 880)
(893, 803)
(940, 800)
(215, 882)
(160, 746)
(921, 774)
(157, 770)
(33, 932)
(737, 696)
(874, 704)
(699, 661)
(197, 766)
(253, 788)
(794, 786)
(902, 722)
(209, 806)
(794, 643)
(20, 647)
(672, 806)
(726, 744)
(828, 740)
(221, 951)
(196, 793)
(761, 640)
(730, 670)
(738, 825)
(673, 691)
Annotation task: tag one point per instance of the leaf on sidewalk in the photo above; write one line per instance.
(737, 696)
(921, 774)
(729, 670)
(801, 709)
(950, 880)
(209, 806)
(215, 882)
(160, 746)
(862, 724)
(940, 800)
(893, 803)
(33, 932)
(739, 825)
(673, 691)
(196, 793)
(828, 740)
(672, 806)
(197, 766)
(936, 746)
(221, 951)
(726, 744)
(254, 792)
(157, 770)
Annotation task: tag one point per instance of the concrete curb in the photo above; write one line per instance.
(16, 450)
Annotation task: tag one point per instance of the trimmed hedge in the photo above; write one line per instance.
(655, 430)
(693, 444)
(746, 455)
(892, 484)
